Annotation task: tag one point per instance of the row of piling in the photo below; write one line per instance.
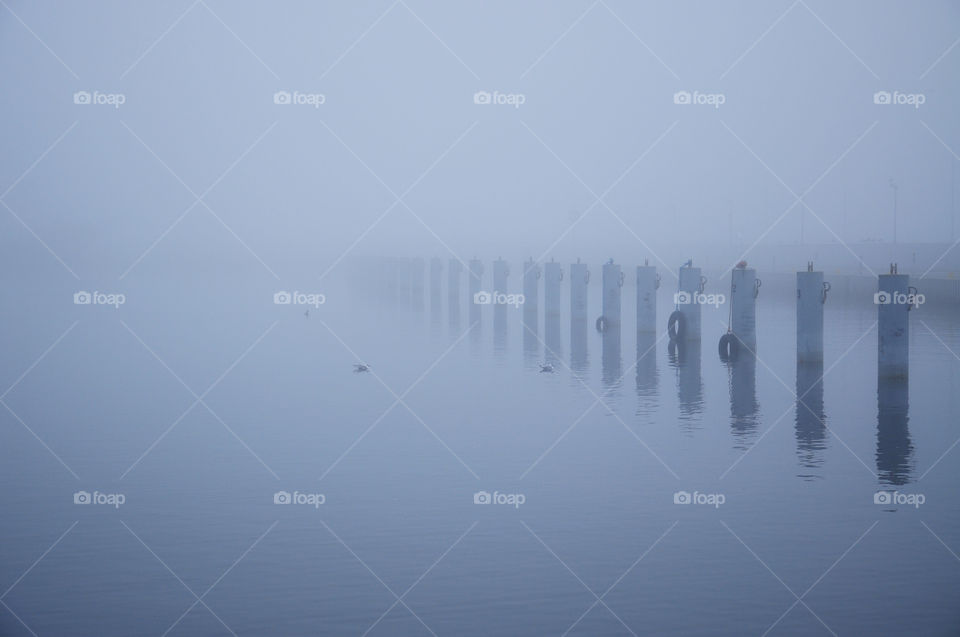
(894, 299)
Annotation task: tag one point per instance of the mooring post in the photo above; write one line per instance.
(552, 276)
(894, 298)
(531, 286)
(647, 283)
(744, 287)
(610, 302)
(811, 296)
(436, 281)
(690, 288)
(474, 287)
(579, 283)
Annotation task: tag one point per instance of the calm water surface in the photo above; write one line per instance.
(198, 406)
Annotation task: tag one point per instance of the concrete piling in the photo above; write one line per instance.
(579, 284)
(684, 321)
(744, 288)
(893, 300)
(611, 293)
(811, 296)
(454, 299)
(474, 287)
(648, 281)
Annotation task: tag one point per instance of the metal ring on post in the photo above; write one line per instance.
(621, 279)
(756, 287)
(703, 283)
(656, 285)
(826, 288)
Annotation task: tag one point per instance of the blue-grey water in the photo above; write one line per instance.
(197, 402)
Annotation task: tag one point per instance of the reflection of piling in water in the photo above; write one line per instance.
(684, 356)
(610, 301)
(436, 283)
(500, 273)
(646, 372)
(690, 286)
(454, 300)
(553, 338)
(531, 304)
(474, 286)
(893, 325)
(894, 448)
(579, 356)
(811, 428)
(417, 274)
(743, 399)
(611, 359)
(579, 281)
(811, 296)
(647, 283)
(744, 287)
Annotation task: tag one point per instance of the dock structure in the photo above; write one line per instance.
(611, 295)
(579, 285)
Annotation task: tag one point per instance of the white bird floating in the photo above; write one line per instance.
(546, 368)
(360, 367)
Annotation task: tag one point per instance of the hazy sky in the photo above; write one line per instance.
(302, 182)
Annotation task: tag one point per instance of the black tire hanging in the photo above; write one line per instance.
(677, 325)
(729, 347)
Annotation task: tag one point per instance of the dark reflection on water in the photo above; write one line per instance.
(811, 430)
(684, 358)
(744, 407)
(894, 448)
(646, 372)
(500, 330)
(579, 354)
(531, 339)
(611, 361)
(553, 338)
